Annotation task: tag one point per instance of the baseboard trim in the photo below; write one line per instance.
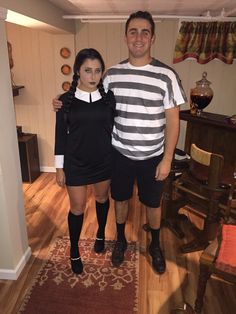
(9, 274)
(47, 169)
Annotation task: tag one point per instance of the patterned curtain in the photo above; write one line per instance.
(206, 41)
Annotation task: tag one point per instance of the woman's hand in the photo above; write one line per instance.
(60, 177)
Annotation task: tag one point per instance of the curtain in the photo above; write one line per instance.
(206, 41)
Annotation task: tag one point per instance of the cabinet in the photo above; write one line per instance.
(29, 157)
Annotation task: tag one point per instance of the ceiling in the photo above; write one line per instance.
(156, 7)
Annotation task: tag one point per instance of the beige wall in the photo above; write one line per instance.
(37, 64)
(37, 67)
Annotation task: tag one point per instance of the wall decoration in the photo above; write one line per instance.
(65, 69)
(65, 86)
(65, 52)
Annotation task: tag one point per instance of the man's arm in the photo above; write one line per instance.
(171, 138)
(56, 103)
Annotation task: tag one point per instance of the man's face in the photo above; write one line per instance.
(139, 38)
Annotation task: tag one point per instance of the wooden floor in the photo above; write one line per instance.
(46, 207)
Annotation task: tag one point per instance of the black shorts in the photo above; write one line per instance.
(124, 173)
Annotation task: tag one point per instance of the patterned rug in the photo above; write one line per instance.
(100, 289)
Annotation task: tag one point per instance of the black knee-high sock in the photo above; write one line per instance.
(102, 212)
(121, 232)
(75, 223)
(155, 237)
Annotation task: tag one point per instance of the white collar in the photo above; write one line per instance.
(85, 96)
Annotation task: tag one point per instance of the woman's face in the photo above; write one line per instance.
(90, 74)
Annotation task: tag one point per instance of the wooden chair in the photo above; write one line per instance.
(200, 187)
(218, 259)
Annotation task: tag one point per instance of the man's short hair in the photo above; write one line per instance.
(141, 15)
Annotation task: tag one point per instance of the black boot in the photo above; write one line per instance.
(102, 212)
(75, 223)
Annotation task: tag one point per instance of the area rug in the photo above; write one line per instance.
(100, 289)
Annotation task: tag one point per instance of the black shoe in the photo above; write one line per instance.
(158, 260)
(117, 257)
(99, 245)
(76, 265)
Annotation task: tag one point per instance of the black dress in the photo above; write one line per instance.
(87, 146)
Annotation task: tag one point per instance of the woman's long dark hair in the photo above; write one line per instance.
(82, 56)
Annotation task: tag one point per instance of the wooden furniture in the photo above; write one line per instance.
(211, 132)
(15, 89)
(29, 157)
(200, 188)
(218, 259)
(170, 208)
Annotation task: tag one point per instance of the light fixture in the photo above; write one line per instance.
(111, 18)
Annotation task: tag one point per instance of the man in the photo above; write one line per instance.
(146, 128)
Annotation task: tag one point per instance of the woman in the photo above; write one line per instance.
(83, 147)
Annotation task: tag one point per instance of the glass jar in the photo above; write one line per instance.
(201, 95)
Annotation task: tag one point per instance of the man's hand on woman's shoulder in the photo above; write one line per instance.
(56, 103)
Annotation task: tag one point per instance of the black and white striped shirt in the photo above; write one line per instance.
(142, 96)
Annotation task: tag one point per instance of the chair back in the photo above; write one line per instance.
(213, 162)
